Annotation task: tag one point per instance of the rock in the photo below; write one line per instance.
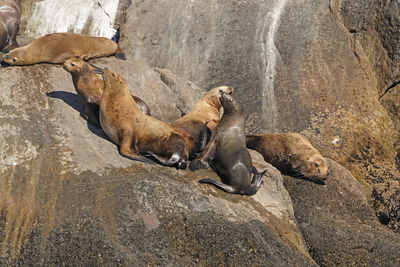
(319, 69)
(68, 198)
(97, 18)
(339, 225)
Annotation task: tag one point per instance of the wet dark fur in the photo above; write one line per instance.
(9, 26)
(227, 154)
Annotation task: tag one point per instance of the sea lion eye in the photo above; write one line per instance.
(72, 64)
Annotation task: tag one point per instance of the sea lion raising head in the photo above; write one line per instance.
(197, 125)
(58, 47)
(89, 88)
(134, 132)
(292, 154)
(227, 153)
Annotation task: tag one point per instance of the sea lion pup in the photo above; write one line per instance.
(135, 132)
(58, 47)
(197, 125)
(228, 155)
(89, 88)
(291, 153)
(10, 19)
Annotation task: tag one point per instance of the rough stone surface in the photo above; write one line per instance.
(68, 198)
(320, 68)
(336, 218)
(97, 18)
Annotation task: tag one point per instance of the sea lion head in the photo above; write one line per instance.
(229, 103)
(74, 65)
(316, 169)
(112, 79)
(13, 59)
(214, 94)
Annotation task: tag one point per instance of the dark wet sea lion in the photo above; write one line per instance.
(227, 153)
(197, 125)
(291, 153)
(134, 132)
(58, 47)
(10, 19)
(89, 88)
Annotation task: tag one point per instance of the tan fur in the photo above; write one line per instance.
(123, 122)
(290, 152)
(58, 47)
(89, 86)
(206, 110)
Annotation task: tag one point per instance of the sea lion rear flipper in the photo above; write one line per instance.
(169, 162)
(120, 54)
(224, 187)
(96, 69)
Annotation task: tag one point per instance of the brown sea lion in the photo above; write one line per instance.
(135, 132)
(10, 19)
(89, 88)
(58, 47)
(226, 152)
(197, 125)
(291, 153)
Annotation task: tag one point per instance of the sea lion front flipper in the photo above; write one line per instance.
(256, 182)
(225, 187)
(120, 54)
(91, 113)
(203, 138)
(125, 149)
(203, 162)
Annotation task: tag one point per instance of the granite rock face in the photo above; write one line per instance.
(68, 197)
(336, 219)
(325, 69)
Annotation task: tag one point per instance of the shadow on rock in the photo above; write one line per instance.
(72, 100)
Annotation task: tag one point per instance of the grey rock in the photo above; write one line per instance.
(68, 198)
(339, 225)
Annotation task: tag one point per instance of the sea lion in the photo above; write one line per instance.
(89, 88)
(197, 125)
(10, 19)
(58, 47)
(135, 132)
(226, 152)
(291, 153)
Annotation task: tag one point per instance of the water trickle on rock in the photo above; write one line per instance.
(94, 18)
(269, 55)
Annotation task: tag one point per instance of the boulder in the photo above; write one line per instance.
(68, 198)
(339, 225)
(318, 68)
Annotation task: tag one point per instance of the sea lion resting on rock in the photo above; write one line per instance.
(90, 87)
(10, 19)
(58, 47)
(202, 118)
(135, 132)
(291, 153)
(227, 153)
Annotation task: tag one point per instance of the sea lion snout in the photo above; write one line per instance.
(9, 59)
